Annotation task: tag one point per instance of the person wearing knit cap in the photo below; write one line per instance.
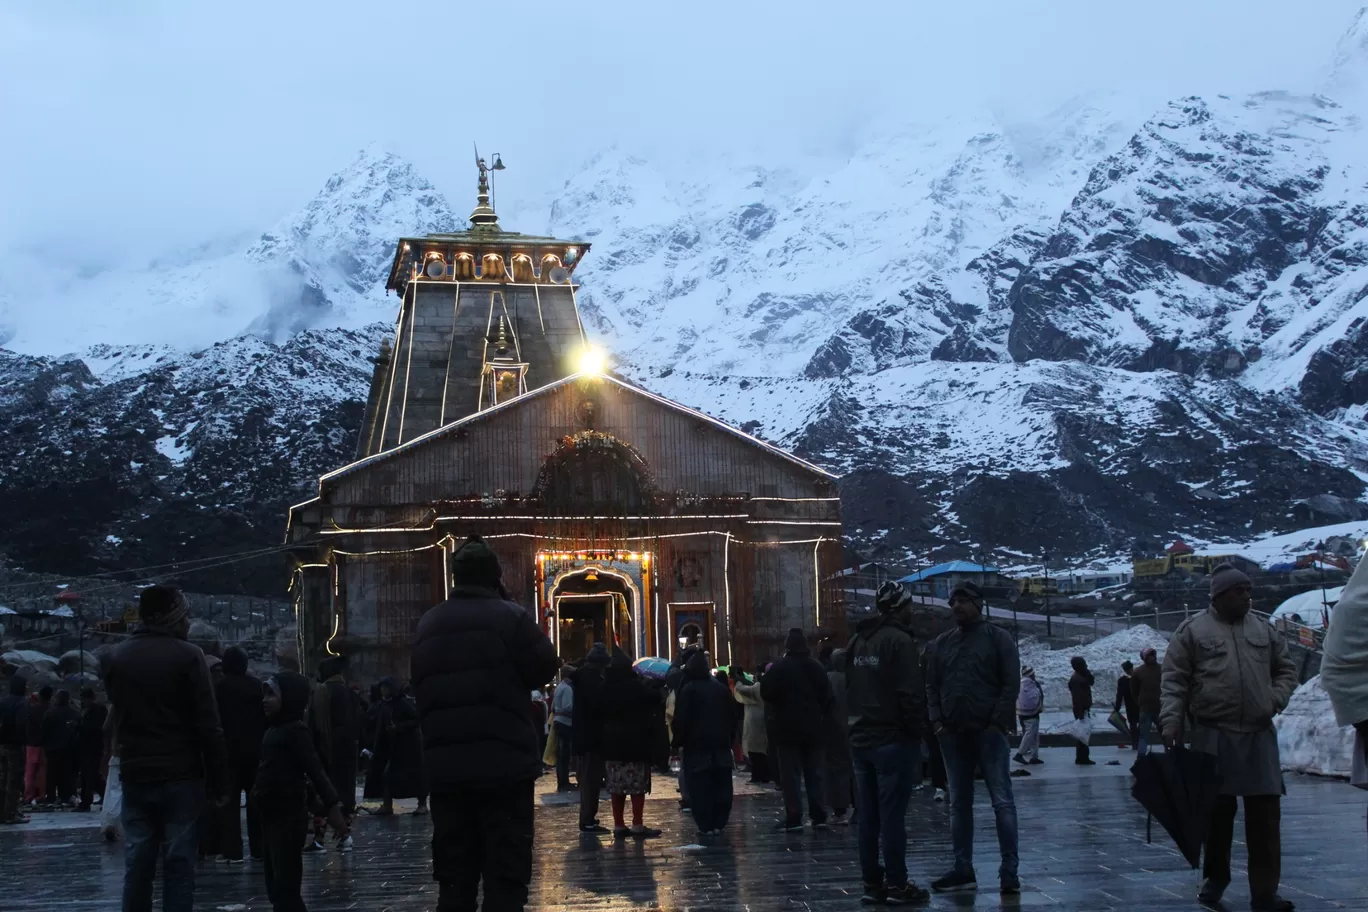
(476, 659)
(171, 748)
(1030, 704)
(1146, 682)
(1226, 675)
(796, 691)
(973, 678)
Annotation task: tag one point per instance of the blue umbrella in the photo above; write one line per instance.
(652, 667)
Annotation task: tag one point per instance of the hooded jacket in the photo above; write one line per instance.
(796, 692)
(885, 689)
(1080, 691)
(238, 696)
(166, 720)
(288, 759)
(972, 678)
(704, 716)
(476, 659)
(14, 713)
(61, 725)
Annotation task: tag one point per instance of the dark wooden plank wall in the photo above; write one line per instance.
(506, 452)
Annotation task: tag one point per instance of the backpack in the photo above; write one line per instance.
(1030, 698)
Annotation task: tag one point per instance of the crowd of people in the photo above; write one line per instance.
(845, 736)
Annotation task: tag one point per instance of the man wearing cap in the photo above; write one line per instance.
(1145, 682)
(971, 690)
(476, 658)
(1226, 675)
(885, 701)
(166, 723)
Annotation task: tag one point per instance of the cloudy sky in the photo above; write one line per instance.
(135, 126)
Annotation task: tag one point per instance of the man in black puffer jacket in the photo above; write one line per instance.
(166, 724)
(796, 690)
(476, 659)
(971, 690)
(586, 732)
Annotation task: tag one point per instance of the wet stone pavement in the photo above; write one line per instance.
(1082, 848)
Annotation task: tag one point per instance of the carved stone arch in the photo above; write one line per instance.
(595, 474)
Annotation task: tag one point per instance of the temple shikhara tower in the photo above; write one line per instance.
(619, 515)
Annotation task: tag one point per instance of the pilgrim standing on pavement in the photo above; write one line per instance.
(971, 688)
(61, 731)
(170, 744)
(13, 713)
(1229, 673)
(396, 769)
(886, 700)
(35, 765)
(837, 773)
(239, 698)
(563, 722)
(335, 720)
(1344, 667)
(1147, 682)
(1080, 694)
(796, 690)
(1127, 699)
(1030, 704)
(704, 719)
(476, 658)
(628, 743)
(90, 747)
(587, 733)
(280, 790)
(753, 736)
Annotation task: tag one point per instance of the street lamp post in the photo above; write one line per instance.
(1049, 629)
(1325, 602)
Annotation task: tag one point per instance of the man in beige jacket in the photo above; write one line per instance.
(1226, 675)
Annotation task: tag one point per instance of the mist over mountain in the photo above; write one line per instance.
(1081, 335)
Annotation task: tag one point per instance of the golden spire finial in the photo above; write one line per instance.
(484, 215)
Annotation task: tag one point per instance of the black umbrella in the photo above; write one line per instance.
(1179, 788)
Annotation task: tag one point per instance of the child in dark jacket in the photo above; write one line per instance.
(289, 765)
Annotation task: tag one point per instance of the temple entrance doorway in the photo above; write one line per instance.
(593, 605)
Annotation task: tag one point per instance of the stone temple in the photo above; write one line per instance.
(619, 515)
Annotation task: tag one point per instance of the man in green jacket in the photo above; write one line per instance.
(886, 700)
(1226, 675)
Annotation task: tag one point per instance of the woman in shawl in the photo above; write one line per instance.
(396, 763)
(629, 743)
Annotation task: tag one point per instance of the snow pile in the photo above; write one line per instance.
(1104, 657)
(1309, 741)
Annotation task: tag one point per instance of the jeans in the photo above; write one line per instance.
(963, 752)
(157, 817)
(801, 765)
(1030, 738)
(883, 785)
(1147, 723)
(483, 833)
(282, 849)
(563, 741)
(90, 775)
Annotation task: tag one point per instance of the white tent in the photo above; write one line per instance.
(1309, 606)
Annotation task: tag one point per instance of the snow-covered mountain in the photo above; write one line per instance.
(1078, 336)
(320, 267)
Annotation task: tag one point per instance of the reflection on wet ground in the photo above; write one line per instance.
(1082, 848)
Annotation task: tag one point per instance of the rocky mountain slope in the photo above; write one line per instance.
(1077, 337)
